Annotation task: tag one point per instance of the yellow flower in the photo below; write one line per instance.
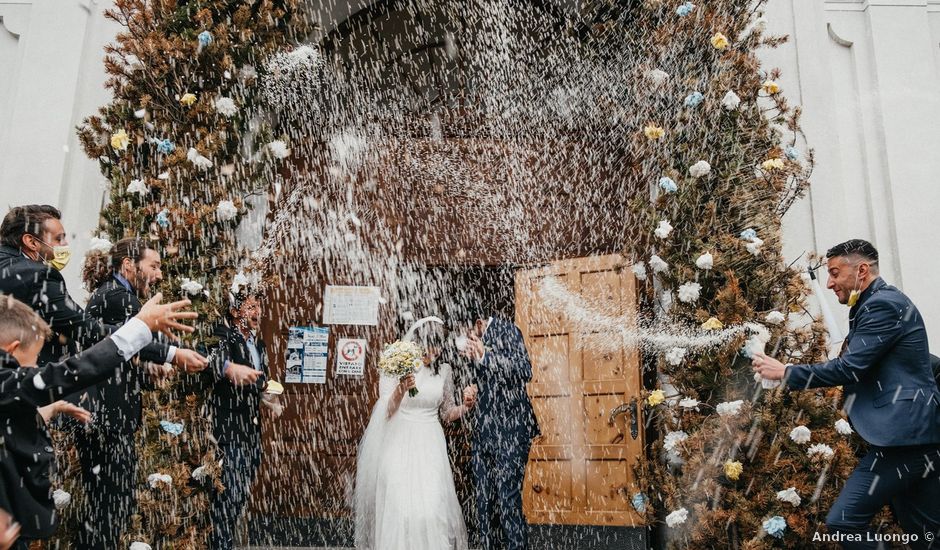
(712, 324)
(772, 164)
(771, 87)
(120, 140)
(720, 41)
(733, 470)
(656, 397)
(188, 99)
(654, 132)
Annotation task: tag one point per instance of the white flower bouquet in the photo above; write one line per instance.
(401, 359)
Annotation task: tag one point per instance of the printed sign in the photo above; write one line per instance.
(351, 305)
(350, 357)
(307, 350)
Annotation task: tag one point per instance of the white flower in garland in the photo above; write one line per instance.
(199, 474)
(843, 427)
(61, 499)
(673, 439)
(156, 479)
(800, 434)
(731, 101)
(658, 264)
(688, 403)
(663, 229)
(729, 408)
(689, 292)
(139, 187)
(675, 356)
(700, 169)
(677, 517)
(99, 244)
(706, 261)
(226, 211)
(137, 545)
(190, 286)
(775, 318)
(639, 271)
(198, 160)
(820, 449)
(279, 149)
(225, 106)
(657, 76)
(754, 246)
(789, 495)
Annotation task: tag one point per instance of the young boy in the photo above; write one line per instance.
(28, 395)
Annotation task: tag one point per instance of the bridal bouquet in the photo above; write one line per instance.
(401, 359)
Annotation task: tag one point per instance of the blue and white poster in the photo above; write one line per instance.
(307, 351)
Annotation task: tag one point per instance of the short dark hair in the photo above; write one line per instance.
(855, 247)
(100, 266)
(25, 220)
(20, 322)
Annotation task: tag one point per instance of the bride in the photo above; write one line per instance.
(405, 497)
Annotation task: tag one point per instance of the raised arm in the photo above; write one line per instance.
(879, 327)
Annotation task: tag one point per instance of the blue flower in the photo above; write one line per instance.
(171, 427)
(166, 146)
(639, 501)
(205, 38)
(775, 526)
(749, 234)
(793, 153)
(694, 99)
(685, 9)
(668, 185)
(163, 218)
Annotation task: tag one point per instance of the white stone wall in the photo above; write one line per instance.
(867, 73)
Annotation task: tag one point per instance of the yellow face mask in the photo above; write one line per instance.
(60, 257)
(853, 298)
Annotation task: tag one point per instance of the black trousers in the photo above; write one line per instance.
(498, 471)
(240, 462)
(905, 478)
(109, 470)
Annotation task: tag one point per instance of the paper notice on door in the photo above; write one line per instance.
(350, 357)
(351, 305)
(307, 351)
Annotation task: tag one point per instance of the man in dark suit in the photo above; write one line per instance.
(238, 374)
(33, 251)
(891, 398)
(26, 453)
(503, 427)
(106, 450)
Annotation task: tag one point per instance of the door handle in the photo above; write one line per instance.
(630, 409)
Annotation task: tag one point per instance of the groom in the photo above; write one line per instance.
(503, 427)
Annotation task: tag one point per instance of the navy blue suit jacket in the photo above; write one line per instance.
(503, 415)
(890, 392)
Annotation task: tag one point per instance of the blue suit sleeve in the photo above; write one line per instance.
(508, 359)
(879, 326)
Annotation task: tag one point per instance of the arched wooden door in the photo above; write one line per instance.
(580, 470)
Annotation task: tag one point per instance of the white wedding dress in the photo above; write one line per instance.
(405, 496)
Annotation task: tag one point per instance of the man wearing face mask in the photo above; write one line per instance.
(33, 251)
(891, 398)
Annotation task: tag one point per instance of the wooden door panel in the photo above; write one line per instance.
(580, 470)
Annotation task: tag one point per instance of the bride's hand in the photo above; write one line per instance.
(406, 383)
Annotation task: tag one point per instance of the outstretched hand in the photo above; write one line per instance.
(9, 530)
(768, 367)
(166, 318)
(241, 375)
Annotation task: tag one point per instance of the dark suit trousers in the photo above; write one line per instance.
(109, 493)
(907, 479)
(498, 471)
(240, 464)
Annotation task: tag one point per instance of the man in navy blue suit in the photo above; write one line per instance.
(891, 398)
(503, 427)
